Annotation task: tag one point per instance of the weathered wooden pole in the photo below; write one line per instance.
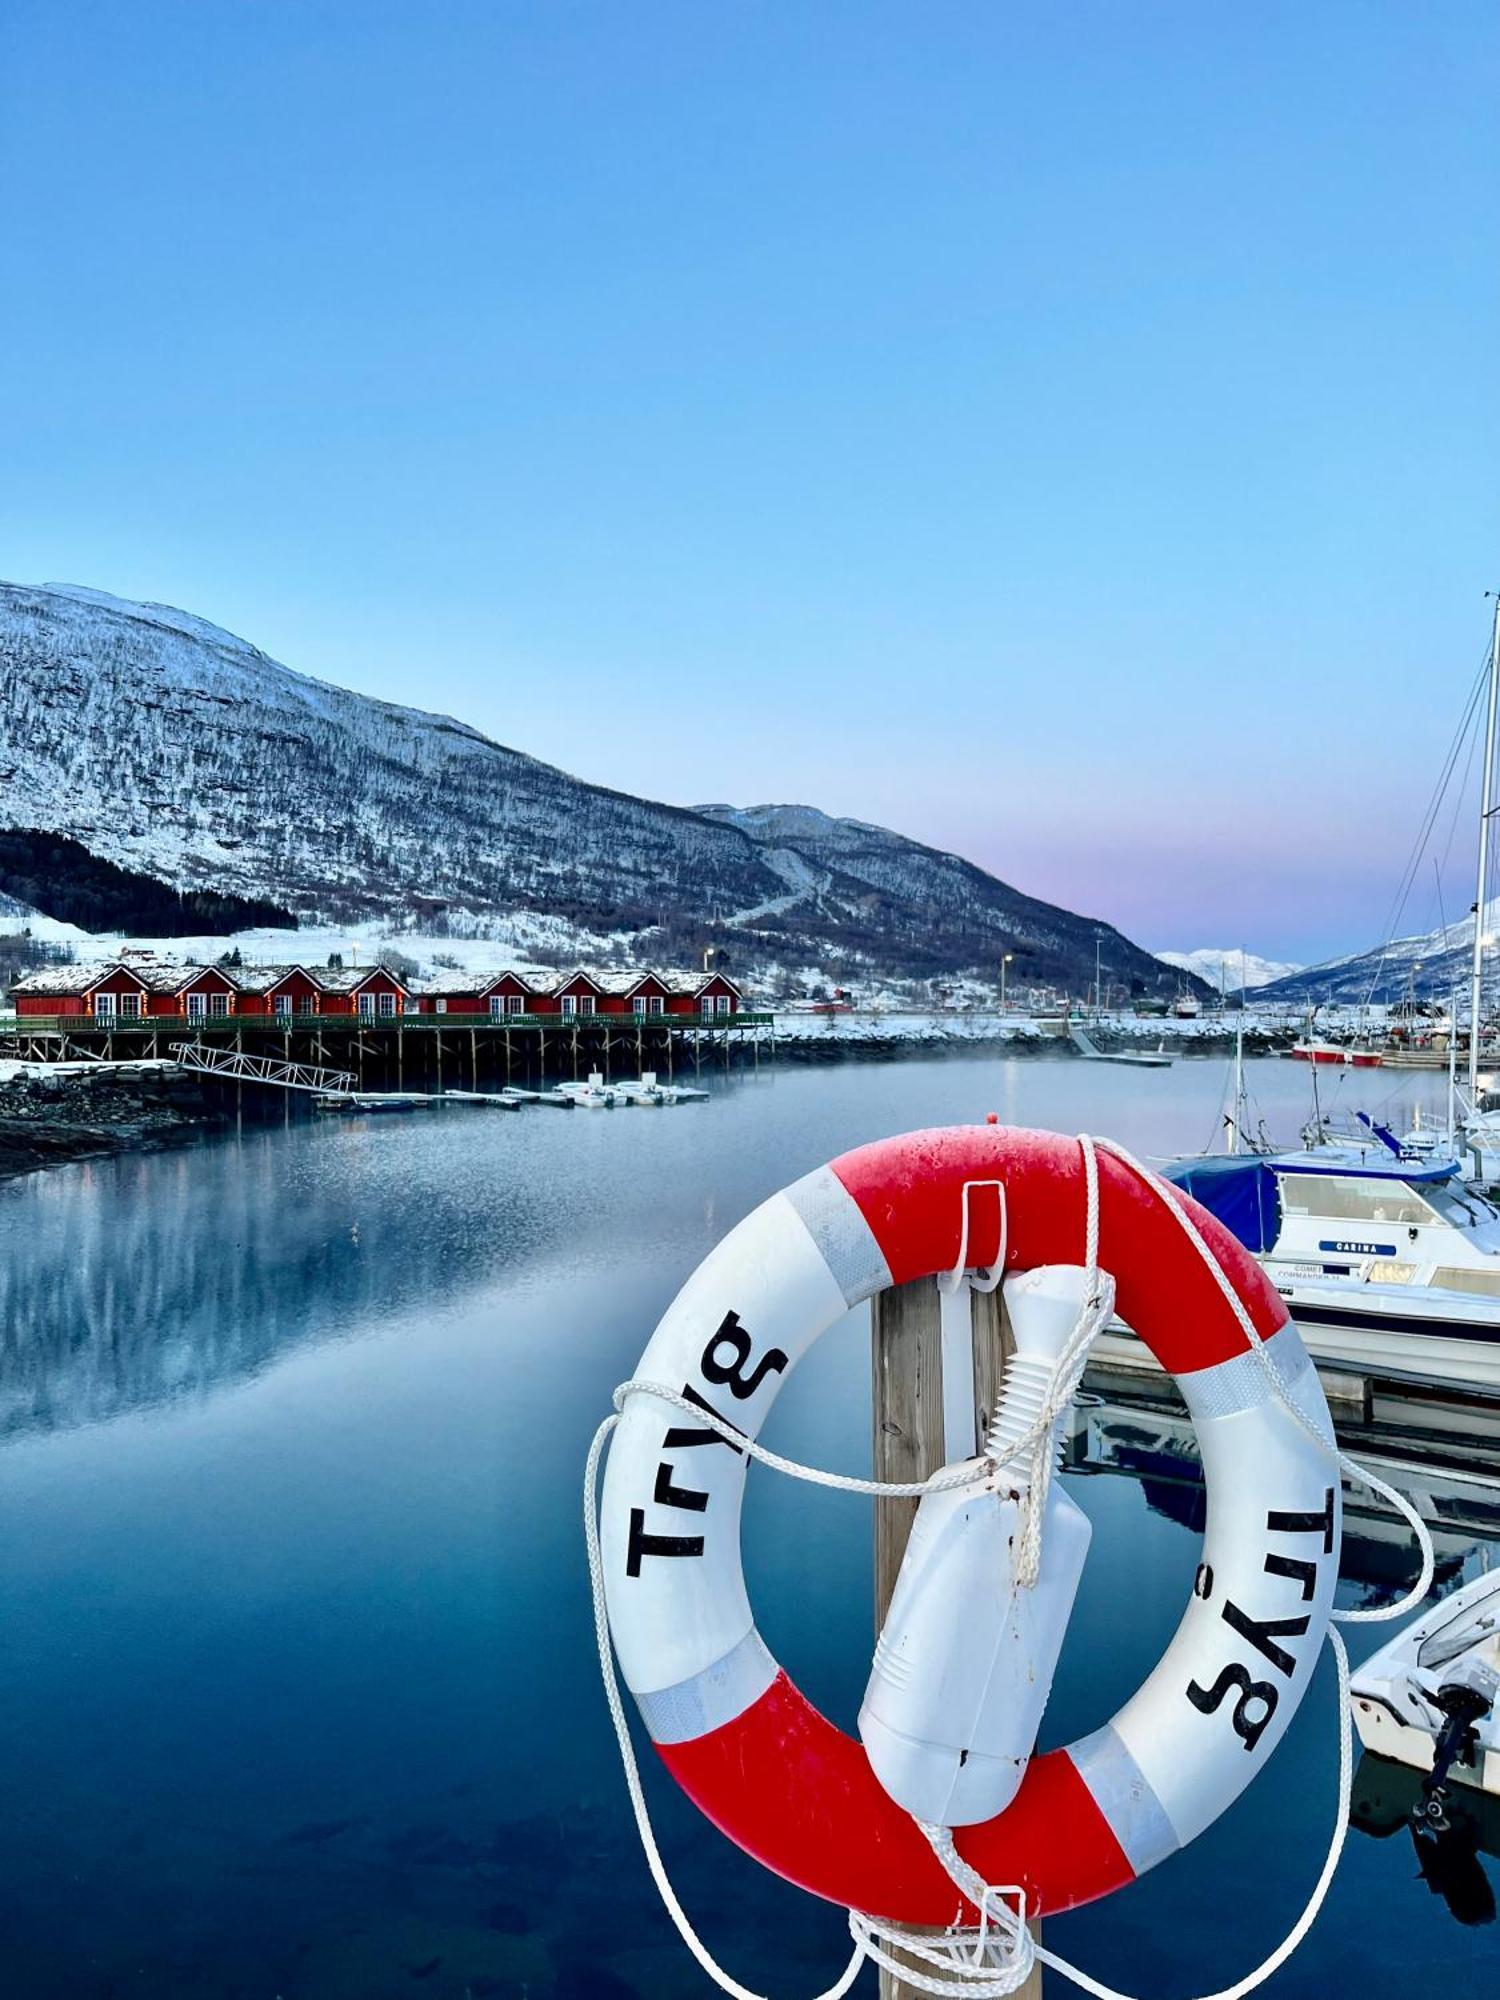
(909, 1438)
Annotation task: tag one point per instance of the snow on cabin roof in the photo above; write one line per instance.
(55, 979)
(261, 978)
(454, 982)
(344, 978)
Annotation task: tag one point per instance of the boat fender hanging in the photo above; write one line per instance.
(778, 1778)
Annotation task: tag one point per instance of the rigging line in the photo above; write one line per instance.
(1434, 807)
(1459, 794)
(1424, 831)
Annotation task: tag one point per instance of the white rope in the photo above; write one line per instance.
(996, 1958)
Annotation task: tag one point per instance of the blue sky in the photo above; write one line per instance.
(1067, 434)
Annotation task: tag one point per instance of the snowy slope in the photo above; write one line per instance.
(1228, 967)
(169, 745)
(1428, 967)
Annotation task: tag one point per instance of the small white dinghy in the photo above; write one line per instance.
(1431, 1698)
(593, 1095)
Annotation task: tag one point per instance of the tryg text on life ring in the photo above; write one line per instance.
(783, 1782)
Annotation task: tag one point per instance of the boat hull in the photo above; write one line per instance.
(1375, 1335)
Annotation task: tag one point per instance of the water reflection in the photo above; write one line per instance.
(142, 1281)
(296, 1687)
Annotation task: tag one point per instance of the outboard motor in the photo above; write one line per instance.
(1444, 1837)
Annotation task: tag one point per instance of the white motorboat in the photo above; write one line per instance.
(649, 1089)
(1389, 1263)
(593, 1094)
(1431, 1697)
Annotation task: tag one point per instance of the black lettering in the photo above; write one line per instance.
(732, 1335)
(1259, 1631)
(642, 1544)
(680, 1439)
(1306, 1524)
(689, 1498)
(1305, 1573)
(1203, 1582)
(1247, 1727)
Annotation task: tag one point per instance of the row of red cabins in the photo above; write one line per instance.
(146, 990)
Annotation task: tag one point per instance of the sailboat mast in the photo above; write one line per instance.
(1486, 807)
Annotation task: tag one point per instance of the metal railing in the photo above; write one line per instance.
(221, 1024)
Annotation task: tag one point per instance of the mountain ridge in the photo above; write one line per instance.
(170, 746)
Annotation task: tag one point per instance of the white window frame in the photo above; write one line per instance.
(283, 1005)
(587, 1004)
(364, 1006)
(218, 1006)
(195, 1006)
(130, 1006)
(726, 1003)
(515, 1003)
(440, 1006)
(638, 1004)
(385, 1006)
(569, 1006)
(104, 1006)
(498, 1006)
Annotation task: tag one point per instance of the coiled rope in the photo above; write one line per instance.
(996, 1958)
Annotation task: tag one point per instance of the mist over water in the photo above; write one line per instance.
(297, 1694)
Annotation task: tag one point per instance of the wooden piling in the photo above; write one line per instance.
(907, 1363)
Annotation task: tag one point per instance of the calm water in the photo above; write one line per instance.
(296, 1695)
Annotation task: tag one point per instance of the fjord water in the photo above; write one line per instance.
(297, 1689)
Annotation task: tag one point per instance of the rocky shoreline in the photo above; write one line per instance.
(53, 1113)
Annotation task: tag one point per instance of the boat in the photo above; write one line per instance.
(1336, 1052)
(649, 1089)
(369, 1103)
(1430, 1698)
(593, 1094)
(1388, 1261)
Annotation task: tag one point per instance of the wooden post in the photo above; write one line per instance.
(907, 1358)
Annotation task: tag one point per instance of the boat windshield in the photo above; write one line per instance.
(1461, 1206)
(1470, 1626)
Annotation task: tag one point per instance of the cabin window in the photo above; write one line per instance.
(1454, 1279)
(197, 1006)
(130, 1006)
(515, 1003)
(585, 1003)
(388, 1005)
(638, 1004)
(367, 1006)
(283, 1005)
(569, 1004)
(1350, 1200)
(726, 1005)
(497, 1005)
(441, 1006)
(104, 1005)
(218, 1005)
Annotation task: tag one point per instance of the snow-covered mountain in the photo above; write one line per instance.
(1228, 968)
(168, 745)
(1431, 966)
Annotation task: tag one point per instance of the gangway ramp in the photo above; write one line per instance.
(1090, 1050)
(233, 1066)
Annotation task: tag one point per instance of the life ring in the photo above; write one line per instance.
(777, 1777)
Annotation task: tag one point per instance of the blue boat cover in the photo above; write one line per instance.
(1239, 1189)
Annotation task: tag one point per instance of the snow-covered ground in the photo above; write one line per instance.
(1228, 968)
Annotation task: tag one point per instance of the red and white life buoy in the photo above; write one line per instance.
(783, 1782)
